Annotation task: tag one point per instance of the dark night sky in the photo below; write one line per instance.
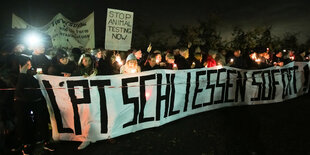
(284, 15)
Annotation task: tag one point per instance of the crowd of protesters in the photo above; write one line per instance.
(23, 112)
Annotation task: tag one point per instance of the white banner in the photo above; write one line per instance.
(118, 32)
(103, 107)
(64, 33)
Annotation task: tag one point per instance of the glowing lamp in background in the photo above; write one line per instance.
(33, 39)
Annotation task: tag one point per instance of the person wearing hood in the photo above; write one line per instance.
(39, 60)
(62, 66)
(131, 65)
(86, 66)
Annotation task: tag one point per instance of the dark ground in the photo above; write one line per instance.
(271, 129)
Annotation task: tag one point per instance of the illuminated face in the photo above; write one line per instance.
(39, 49)
(158, 58)
(185, 54)
(138, 54)
(64, 61)
(86, 61)
(132, 63)
(19, 48)
(170, 61)
(153, 61)
(279, 55)
(29, 64)
(237, 53)
(266, 56)
(99, 55)
(198, 57)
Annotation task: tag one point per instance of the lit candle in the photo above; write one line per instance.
(39, 70)
(258, 60)
(231, 60)
(119, 60)
(133, 70)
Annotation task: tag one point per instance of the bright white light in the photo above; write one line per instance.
(33, 39)
(119, 60)
(133, 70)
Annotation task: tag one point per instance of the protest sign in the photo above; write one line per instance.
(118, 30)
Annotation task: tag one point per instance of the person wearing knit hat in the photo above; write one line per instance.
(131, 56)
(61, 65)
(131, 65)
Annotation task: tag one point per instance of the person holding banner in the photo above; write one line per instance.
(61, 65)
(151, 63)
(278, 59)
(182, 59)
(131, 65)
(86, 66)
(170, 62)
(31, 111)
(39, 60)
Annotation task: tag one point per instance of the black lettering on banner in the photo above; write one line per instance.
(171, 105)
(103, 103)
(133, 100)
(143, 98)
(274, 83)
(264, 85)
(197, 90)
(210, 86)
(218, 84)
(56, 110)
(188, 85)
(286, 86)
(294, 68)
(306, 75)
(241, 85)
(259, 85)
(228, 85)
(75, 101)
(160, 97)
